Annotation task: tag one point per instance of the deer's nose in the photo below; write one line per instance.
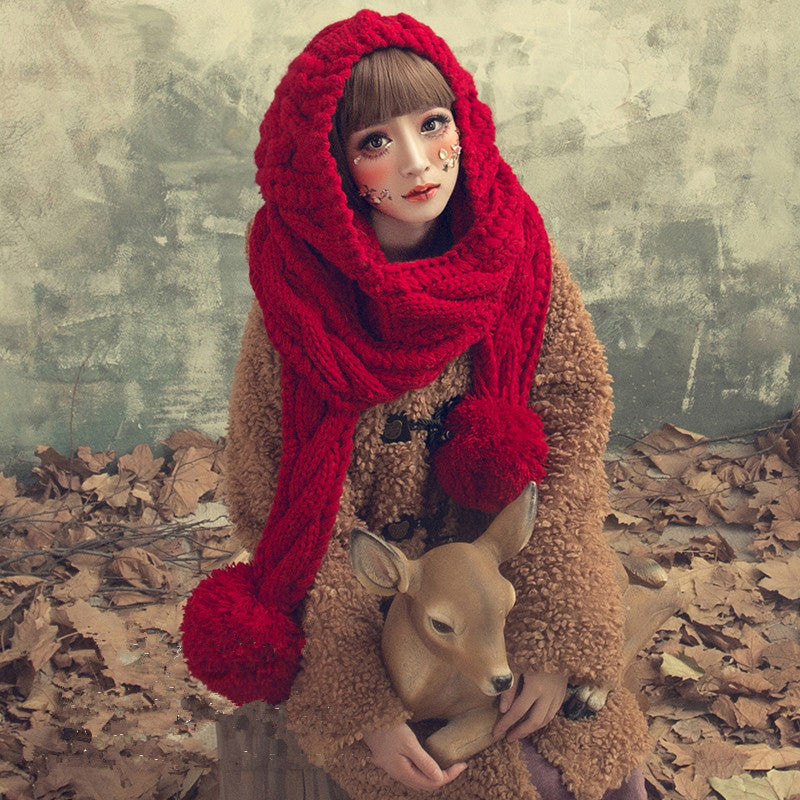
(502, 682)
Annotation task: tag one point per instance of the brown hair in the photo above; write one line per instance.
(383, 84)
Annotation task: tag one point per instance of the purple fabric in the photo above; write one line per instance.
(547, 779)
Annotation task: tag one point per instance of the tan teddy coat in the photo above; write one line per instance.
(568, 614)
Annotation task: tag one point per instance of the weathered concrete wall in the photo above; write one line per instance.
(660, 141)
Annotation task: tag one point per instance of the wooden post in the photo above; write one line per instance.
(259, 759)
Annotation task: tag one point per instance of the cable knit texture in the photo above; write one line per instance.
(314, 264)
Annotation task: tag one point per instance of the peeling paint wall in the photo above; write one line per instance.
(660, 140)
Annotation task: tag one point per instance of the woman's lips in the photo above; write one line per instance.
(419, 194)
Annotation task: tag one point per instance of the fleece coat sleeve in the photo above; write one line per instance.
(568, 616)
(253, 447)
(341, 622)
(342, 689)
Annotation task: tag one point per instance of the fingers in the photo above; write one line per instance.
(539, 697)
(451, 773)
(514, 714)
(518, 701)
(408, 773)
(540, 714)
(507, 697)
(428, 774)
(422, 760)
(399, 753)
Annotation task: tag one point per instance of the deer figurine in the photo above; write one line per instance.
(443, 638)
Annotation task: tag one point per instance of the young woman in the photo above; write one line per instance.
(413, 359)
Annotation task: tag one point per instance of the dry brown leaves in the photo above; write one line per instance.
(96, 558)
(721, 683)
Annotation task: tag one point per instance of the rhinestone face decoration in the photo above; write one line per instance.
(450, 161)
(375, 196)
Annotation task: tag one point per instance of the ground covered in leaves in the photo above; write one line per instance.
(98, 553)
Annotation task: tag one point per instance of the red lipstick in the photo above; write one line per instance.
(421, 193)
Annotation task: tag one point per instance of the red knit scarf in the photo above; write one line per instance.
(313, 264)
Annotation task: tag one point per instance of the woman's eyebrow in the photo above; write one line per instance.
(420, 110)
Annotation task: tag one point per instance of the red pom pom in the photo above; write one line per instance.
(495, 451)
(235, 644)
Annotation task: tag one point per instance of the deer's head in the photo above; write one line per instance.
(453, 597)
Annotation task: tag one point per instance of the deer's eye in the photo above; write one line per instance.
(440, 627)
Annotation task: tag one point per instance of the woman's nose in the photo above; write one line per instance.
(414, 159)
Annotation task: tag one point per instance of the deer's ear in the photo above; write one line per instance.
(379, 566)
(511, 529)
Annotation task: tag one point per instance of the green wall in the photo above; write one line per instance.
(660, 140)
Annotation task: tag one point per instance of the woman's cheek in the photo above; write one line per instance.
(370, 175)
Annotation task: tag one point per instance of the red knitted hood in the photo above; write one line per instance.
(313, 261)
(296, 171)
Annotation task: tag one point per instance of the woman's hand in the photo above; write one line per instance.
(398, 752)
(530, 704)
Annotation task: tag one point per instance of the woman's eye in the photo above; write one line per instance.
(375, 141)
(440, 627)
(435, 123)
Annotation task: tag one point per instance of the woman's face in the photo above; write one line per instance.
(406, 167)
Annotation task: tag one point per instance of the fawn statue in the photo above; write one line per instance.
(443, 638)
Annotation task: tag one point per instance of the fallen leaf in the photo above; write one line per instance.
(626, 519)
(729, 680)
(775, 785)
(694, 729)
(68, 471)
(683, 668)
(790, 733)
(673, 450)
(34, 638)
(139, 568)
(125, 599)
(770, 491)
(703, 481)
(783, 576)
(733, 474)
(752, 713)
(689, 786)
(90, 783)
(104, 629)
(42, 734)
(735, 510)
(761, 757)
(750, 654)
(749, 605)
(140, 464)
(723, 707)
(786, 531)
(689, 511)
(112, 489)
(80, 586)
(192, 477)
(42, 695)
(96, 462)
